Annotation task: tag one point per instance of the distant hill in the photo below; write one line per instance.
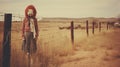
(90, 19)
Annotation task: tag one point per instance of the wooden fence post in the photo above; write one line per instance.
(93, 27)
(87, 28)
(72, 32)
(7, 40)
(107, 25)
(99, 26)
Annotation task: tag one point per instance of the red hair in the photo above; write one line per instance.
(30, 7)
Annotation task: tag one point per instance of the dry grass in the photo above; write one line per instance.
(51, 44)
(54, 48)
(101, 50)
(1, 40)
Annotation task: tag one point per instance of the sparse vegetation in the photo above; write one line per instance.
(54, 48)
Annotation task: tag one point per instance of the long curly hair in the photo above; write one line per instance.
(30, 7)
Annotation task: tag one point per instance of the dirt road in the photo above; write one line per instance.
(102, 50)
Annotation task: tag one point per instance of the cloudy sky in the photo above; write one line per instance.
(64, 8)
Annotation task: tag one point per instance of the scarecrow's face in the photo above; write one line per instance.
(30, 12)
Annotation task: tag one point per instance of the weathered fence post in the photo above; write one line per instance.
(99, 26)
(87, 28)
(107, 25)
(7, 40)
(72, 32)
(93, 27)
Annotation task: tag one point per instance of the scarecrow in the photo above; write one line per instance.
(29, 30)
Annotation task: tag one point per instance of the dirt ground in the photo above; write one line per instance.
(102, 50)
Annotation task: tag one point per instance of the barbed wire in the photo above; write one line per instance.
(20, 17)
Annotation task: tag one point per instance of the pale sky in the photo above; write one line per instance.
(64, 8)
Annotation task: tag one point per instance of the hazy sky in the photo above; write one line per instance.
(64, 8)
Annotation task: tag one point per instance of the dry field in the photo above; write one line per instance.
(54, 48)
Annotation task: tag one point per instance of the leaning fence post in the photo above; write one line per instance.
(93, 27)
(87, 28)
(7, 40)
(72, 32)
(99, 26)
